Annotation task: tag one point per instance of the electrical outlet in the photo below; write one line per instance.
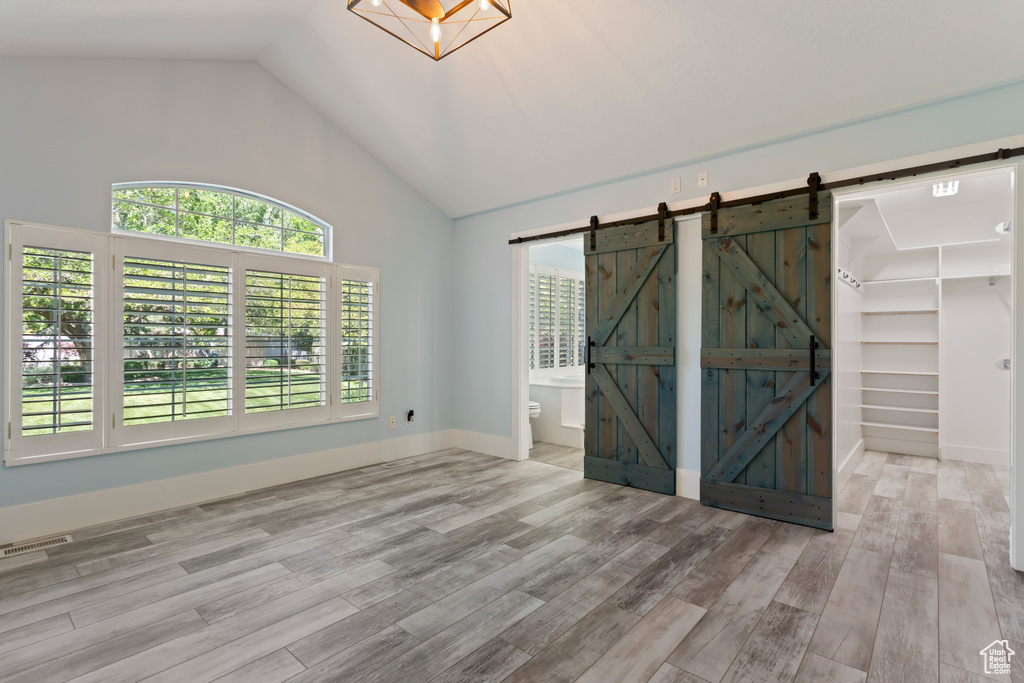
(391, 422)
(677, 185)
(702, 179)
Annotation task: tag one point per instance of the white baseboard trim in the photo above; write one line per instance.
(488, 444)
(848, 465)
(59, 515)
(985, 456)
(688, 484)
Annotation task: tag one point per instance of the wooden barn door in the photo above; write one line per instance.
(766, 399)
(630, 432)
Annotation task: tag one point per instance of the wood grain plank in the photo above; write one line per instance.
(431, 620)
(967, 614)
(711, 337)
(901, 653)
(625, 333)
(360, 659)
(779, 214)
(810, 582)
(816, 669)
(592, 423)
(708, 649)
(846, 631)
(711, 578)
(879, 525)
(666, 376)
(788, 540)
(575, 651)
(276, 667)
(791, 281)
(439, 653)
(651, 585)
(819, 319)
(893, 482)
(957, 530)
(558, 615)
(761, 387)
(775, 648)
(922, 491)
(626, 291)
(493, 662)
(917, 543)
(635, 657)
(953, 481)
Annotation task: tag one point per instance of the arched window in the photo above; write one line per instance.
(210, 213)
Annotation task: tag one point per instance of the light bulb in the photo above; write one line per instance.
(376, 3)
(435, 30)
(484, 5)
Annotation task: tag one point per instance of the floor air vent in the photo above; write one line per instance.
(38, 545)
(393, 465)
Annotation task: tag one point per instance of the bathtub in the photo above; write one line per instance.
(562, 409)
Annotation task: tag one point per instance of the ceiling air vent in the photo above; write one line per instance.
(29, 547)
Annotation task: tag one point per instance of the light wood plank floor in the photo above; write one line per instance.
(555, 454)
(461, 567)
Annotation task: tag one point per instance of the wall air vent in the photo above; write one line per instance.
(37, 545)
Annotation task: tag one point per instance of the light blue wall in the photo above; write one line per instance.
(558, 256)
(486, 372)
(70, 128)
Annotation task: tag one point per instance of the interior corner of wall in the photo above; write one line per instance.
(688, 484)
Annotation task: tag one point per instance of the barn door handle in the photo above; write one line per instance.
(590, 345)
(814, 374)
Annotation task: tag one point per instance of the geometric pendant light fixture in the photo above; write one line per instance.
(436, 28)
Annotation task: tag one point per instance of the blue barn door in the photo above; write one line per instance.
(630, 436)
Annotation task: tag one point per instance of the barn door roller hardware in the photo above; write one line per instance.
(593, 233)
(813, 181)
(662, 218)
(716, 202)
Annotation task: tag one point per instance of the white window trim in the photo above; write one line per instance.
(558, 273)
(109, 435)
(142, 185)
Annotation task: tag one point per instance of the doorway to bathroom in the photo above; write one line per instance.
(556, 343)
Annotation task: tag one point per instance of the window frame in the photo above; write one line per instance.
(559, 274)
(246, 194)
(110, 435)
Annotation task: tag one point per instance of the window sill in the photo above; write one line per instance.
(11, 461)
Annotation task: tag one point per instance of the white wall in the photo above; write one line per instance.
(71, 127)
(848, 359)
(975, 389)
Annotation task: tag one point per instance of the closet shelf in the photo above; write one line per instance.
(904, 343)
(931, 278)
(900, 391)
(899, 372)
(901, 409)
(973, 277)
(909, 428)
(912, 311)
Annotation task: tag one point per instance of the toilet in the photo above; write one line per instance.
(534, 413)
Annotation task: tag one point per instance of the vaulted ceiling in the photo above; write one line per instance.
(570, 93)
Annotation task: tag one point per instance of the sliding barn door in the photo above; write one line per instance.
(631, 326)
(766, 400)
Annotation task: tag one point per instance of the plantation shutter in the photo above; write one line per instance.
(356, 394)
(533, 321)
(174, 334)
(57, 328)
(546, 329)
(285, 376)
(566, 322)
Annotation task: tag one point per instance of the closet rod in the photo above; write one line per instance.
(898, 174)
